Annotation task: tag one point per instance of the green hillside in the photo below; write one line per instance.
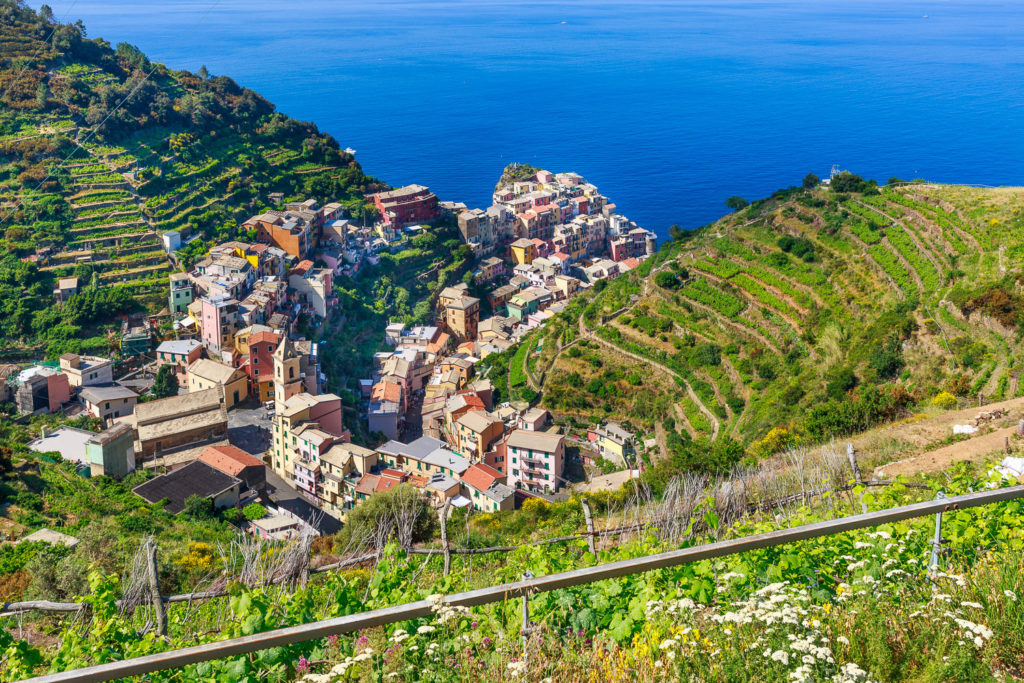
(812, 314)
(102, 150)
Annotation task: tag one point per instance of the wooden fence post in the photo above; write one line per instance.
(159, 613)
(1020, 428)
(852, 456)
(444, 535)
(305, 560)
(526, 615)
(589, 518)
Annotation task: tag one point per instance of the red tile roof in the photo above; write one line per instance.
(481, 476)
(389, 479)
(439, 344)
(472, 399)
(385, 390)
(272, 337)
(418, 481)
(229, 459)
(368, 484)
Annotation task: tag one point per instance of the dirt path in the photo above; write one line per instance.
(659, 435)
(919, 435)
(941, 458)
(585, 332)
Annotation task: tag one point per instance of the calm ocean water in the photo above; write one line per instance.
(669, 107)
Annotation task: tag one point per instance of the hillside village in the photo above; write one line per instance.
(253, 420)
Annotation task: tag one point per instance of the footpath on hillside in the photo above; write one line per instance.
(921, 438)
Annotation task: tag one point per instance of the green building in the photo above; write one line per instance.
(112, 452)
(181, 293)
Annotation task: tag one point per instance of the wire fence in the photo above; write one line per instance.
(524, 588)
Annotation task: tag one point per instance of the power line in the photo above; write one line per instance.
(96, 128)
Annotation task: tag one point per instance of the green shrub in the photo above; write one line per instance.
(254, 511)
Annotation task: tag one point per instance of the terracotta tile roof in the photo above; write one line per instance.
(271, 337)
(441, 342)
(385, 390)
(229, 459)
(481, 476)
(390, 478)
(418, 481)
(368, 484)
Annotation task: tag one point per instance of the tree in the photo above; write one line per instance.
(666, 279)
(840, 381)
(166, 382)
(398, 514)
(811, 181)
(736, 203)
(203, 73)
(676, 233)
(198, 507)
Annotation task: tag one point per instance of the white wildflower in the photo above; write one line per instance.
(424, 629)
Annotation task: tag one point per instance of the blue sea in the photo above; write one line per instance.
(669, 107)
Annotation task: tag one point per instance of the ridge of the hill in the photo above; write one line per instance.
(103, 151)
(816, 313)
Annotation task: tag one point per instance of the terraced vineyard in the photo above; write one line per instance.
(98, 161)
(780, 318)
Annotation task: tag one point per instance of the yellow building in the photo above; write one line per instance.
(522, 251)
(293, 414)
(287, 371)
(611, 440)
(341, 468)
(475, 432)
(209, 374)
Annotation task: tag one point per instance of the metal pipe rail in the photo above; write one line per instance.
(491, 594)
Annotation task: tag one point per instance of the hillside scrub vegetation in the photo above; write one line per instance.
(836, 308)
(819, 609)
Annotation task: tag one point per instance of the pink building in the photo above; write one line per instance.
(180, 353)
(218, 322)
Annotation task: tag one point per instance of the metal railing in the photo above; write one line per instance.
(524, 588)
